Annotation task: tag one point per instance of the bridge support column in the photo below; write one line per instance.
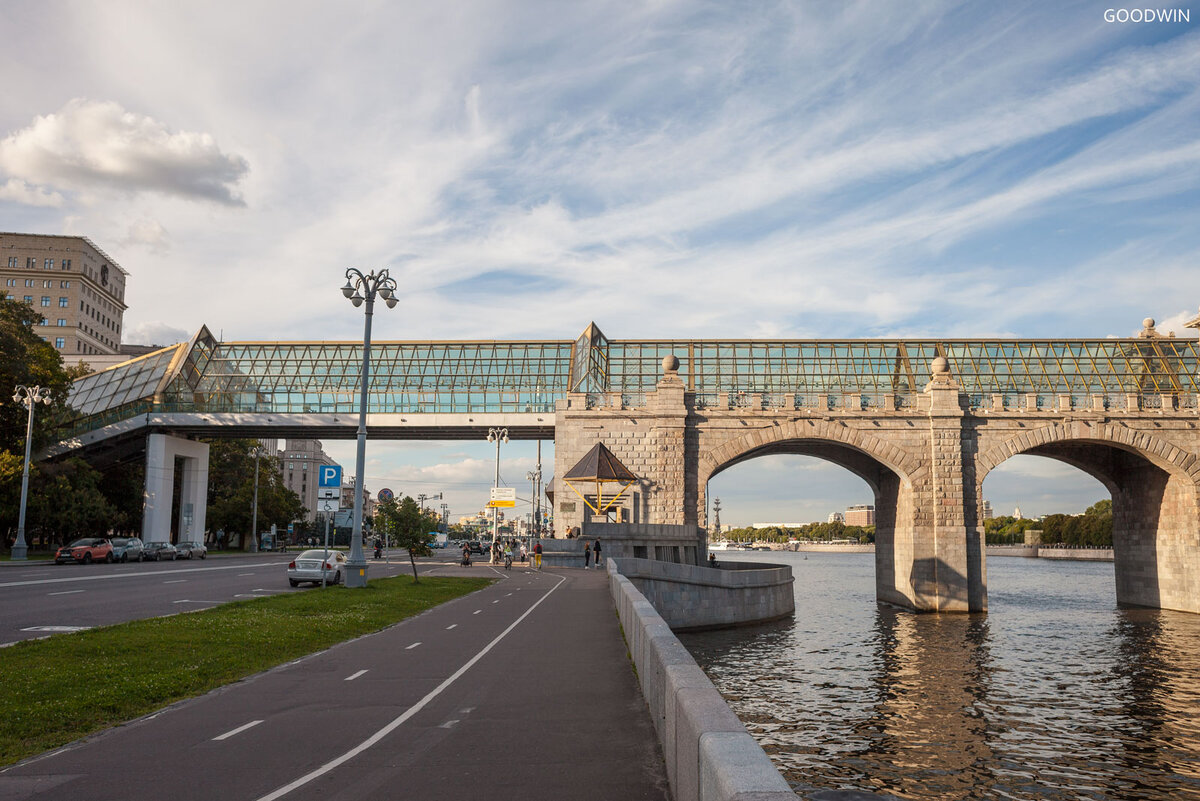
(934, 561)
(161, 452)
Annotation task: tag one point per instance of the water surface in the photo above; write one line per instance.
(1055, 693)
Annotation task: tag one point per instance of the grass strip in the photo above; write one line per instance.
(67, 686)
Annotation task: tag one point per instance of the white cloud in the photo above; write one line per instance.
(91, 145)
(148, 234)
(154, 333)
(18, 191)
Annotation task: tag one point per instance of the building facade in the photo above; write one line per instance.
(78, 289)
(299, 462)
(862, 515)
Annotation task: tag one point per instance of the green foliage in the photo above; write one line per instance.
(406, 525)
(67, 686)
(809, 532)
(1093, 528)
(68, 502)
(231, 491)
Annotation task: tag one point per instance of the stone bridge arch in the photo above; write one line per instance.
(897, 471)
(1155, 489)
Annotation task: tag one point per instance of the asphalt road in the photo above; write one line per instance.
(520, 691)
(38, 599)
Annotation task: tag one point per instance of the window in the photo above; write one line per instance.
(11, 282)
(12, 261)
(61, 322)
(62, 302)
(48, 264)
(30, 262)
(28, 282)
(29, 299)
(45, 300)
(64, 284)
(47, 284)
(60, 342)
(45, 321)
(66, 264)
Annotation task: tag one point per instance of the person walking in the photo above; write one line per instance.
(587, 554)
(537, 555)
(596, 552)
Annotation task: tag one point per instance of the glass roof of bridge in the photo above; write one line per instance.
(204, 375)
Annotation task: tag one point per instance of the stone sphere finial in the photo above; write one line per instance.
(670, 363)
(1148, 323)
(939, 366)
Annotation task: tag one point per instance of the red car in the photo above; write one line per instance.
(85, 551)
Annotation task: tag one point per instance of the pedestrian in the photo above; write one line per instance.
(596, 552)
(537, 555)
(712, 559)
(587, 554)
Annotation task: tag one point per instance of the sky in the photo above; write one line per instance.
(685, 169)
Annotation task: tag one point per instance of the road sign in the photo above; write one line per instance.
(503, 497)
(330, 475)
(329, 493)
(386, 494)
(327, 506)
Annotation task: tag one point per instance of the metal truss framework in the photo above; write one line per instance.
(204, 375)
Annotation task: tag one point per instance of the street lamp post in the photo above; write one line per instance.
(358, 288)
(496, 435)
(29, 396)
(258, 452)
(535, 478)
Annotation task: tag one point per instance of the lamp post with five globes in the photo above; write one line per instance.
(361, 288)
(29, 396)
(496, 435)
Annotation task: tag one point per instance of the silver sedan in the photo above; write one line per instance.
(315, 566)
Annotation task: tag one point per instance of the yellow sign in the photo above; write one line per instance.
(501, 504)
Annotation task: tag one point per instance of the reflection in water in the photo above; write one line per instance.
(1055, 694)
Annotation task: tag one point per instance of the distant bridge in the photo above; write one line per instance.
(921, 421)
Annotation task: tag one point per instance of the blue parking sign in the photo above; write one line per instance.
(330, 475)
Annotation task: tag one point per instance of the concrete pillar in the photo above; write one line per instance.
(161, 452)
(674, 474)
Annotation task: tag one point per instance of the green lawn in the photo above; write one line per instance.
(61, 688)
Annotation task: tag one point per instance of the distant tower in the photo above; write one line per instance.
(1017, 513)
(717, 515)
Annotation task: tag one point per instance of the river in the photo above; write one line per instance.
(1055, 693)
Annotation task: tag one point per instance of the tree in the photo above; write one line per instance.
(231, 489)
(411, 528)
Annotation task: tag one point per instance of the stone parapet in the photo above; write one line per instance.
(708, 752)
(693, 598)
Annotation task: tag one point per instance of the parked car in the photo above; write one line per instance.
(316, 565)
(160, 550)
(186, 550)
(85, 551)
(475, 546)
(127, 548)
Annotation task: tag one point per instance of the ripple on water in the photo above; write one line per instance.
(1054, 694)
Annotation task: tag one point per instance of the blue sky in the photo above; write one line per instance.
(664, 168)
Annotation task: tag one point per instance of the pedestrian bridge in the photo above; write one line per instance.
(922, 421)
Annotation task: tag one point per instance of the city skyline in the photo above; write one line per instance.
(666, 169)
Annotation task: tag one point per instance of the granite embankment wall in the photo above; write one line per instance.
(708, 752)
(690, 598)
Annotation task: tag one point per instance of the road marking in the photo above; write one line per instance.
(245, 574)
(354, 676)
(64, 592)
(175, 581)
(412, 710)
(508, 595)
(414, 645)
(452, 625)
(57, 628)
(238, 730)
(131, 574)
(448, 724)
(477, 611)
(496, 601)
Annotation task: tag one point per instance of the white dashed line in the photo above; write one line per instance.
(354, 676)
(452, 625)
(176, 581)
(496, 601)
(64, 592)
(414, 645)
(448, 724)
(238, 730)
(477, 611)
(245, 574)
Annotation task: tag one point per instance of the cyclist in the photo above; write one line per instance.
(508, 557)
